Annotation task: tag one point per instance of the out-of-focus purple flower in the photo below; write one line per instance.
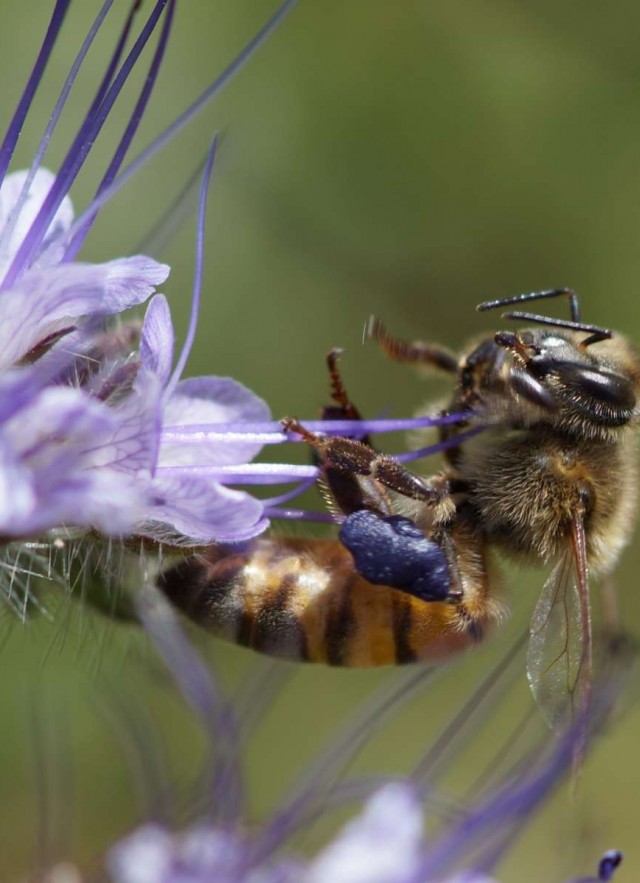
(389, 841)
(200, 855)
(384, 844)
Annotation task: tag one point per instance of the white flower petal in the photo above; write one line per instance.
(382, 845)
(46, 301)
(205, 401)
(9, 194)
(157, 338)
(146, 856)
(201, 511)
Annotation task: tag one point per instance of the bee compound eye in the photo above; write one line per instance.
(608, 388)
(393, 551)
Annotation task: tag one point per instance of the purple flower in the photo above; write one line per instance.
(185, 502)
(88, 419)
(199, 855)
(383, 844)
(77, 457)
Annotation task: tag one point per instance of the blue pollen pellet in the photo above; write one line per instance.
(391, 550)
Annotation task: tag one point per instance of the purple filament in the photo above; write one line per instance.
(17, 121)
(185, 117)
(77, 154)
(299, 515)
(132, 127)
(197, 280)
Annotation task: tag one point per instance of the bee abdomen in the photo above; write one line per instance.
(302, 600)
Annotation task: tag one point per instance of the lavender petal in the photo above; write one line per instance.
(10, 191)
(44, 461)
(201, 511)
(49, 300)
(132, 445)
(211, 400)
(157, 339)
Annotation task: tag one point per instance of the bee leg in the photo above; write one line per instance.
(343, 482)
(358, 477)
(353, 457)
(344, 407)
(416, 353)
(387, 549)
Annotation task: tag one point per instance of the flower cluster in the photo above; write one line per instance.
(97, 430)
(83, 413)
(385, 844)
(89, 403)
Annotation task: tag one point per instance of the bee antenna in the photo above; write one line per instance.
(595, 332)
(574, 305)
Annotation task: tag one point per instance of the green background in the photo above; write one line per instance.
(407, 160)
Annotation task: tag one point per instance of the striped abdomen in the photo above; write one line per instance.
(302, 600)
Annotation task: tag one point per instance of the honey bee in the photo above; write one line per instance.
(540, 464)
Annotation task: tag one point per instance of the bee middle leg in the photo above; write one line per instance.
(343, 407)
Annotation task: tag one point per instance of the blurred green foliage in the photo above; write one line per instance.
(407, 160)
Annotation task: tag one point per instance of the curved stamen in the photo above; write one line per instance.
(299, 515)
(270, 431)
(197, 276)
(290, 495)
(248, 473)
(107, 79)
(445, 445)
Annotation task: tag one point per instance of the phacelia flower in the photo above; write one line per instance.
(89, 401)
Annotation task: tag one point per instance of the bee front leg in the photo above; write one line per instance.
(417, 352)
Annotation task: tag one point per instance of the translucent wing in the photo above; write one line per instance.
(559, 655)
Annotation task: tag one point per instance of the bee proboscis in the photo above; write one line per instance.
(551, 477)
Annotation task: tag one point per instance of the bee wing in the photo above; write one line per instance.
(559, 654)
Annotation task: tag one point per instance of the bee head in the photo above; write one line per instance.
(581, 386)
